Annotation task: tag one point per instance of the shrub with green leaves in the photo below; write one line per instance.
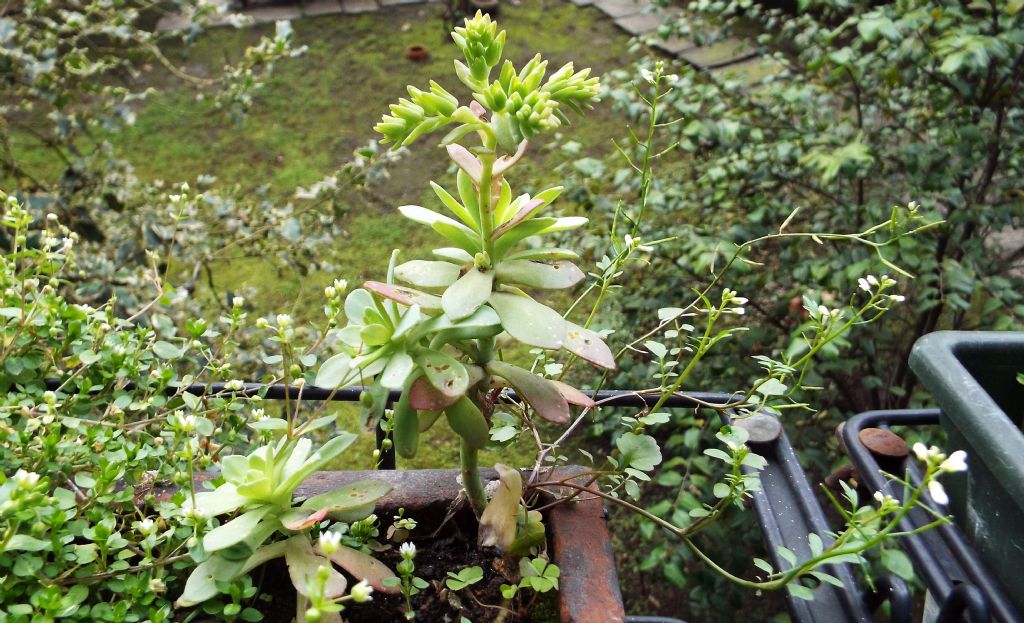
(862, 105)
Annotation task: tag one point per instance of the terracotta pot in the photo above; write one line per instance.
(580, 544)
(416, 53)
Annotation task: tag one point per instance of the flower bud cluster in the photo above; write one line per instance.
(481, 44)
(425, 112)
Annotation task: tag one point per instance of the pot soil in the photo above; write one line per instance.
(577, 537)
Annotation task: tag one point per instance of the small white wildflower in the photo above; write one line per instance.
(921, 452)
(340, 285)
(957, 462)
(361, 592)
(284, 320)
(938, 492)
(26, 480)
(261, 323)
(330, 542)
(259, 414)
(887, 281)
(647, 75)
(872, 280)
(407, 550)
(864, 285)
(897, 298)
(51, 217)
(186, 423)
(66, 244)
(146, 526)
(237, 301)
(156, 585)
(234, 385)
(885, 500)
(330, 292)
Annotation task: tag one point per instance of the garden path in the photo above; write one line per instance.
(640, 18)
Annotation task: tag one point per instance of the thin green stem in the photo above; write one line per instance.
(470, 469)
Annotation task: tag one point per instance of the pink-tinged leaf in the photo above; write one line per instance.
(466, 161)
(529, 321)
(551, 276)
(502, 164)
(303, 565)
(498, 521)
(523, 214)
(543, 395)
(588, 345)
(404, 296)
(478, 109)
(302, 518)
(574, 396)
(362, 567)
(425, 397)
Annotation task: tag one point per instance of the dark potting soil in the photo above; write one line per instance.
(452, 548)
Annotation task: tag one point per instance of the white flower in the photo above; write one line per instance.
(921, 452)
(407, 550)
(51, 217)
(234, 385)
(361, 592)
(647, 75)
(145, 527)
(329, 542)
(187, 423)
(238, 301)
(156, 585)
(283, 320)
(957, 462)
(864, 285)
(897, 298)
(885, 500)
(26, 480)
(937, 492)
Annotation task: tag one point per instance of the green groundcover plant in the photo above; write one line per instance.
(126, 496)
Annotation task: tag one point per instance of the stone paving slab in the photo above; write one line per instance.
(359, 6)
(718, 54)
(321, 7)
(621, 8)
(671, 46)
(644, 23)
(750, 71)
(265, 14)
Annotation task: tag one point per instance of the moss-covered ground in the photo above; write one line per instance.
(312, 114)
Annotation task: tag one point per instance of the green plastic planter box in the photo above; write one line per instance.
(973, 377)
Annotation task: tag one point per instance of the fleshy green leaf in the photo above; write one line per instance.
(528, 321)
(446, 374)
(543, 395)
(350, 496)
(428, 274)
(552, 276)
(467, 294)
(363, 567)
(303, 565)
